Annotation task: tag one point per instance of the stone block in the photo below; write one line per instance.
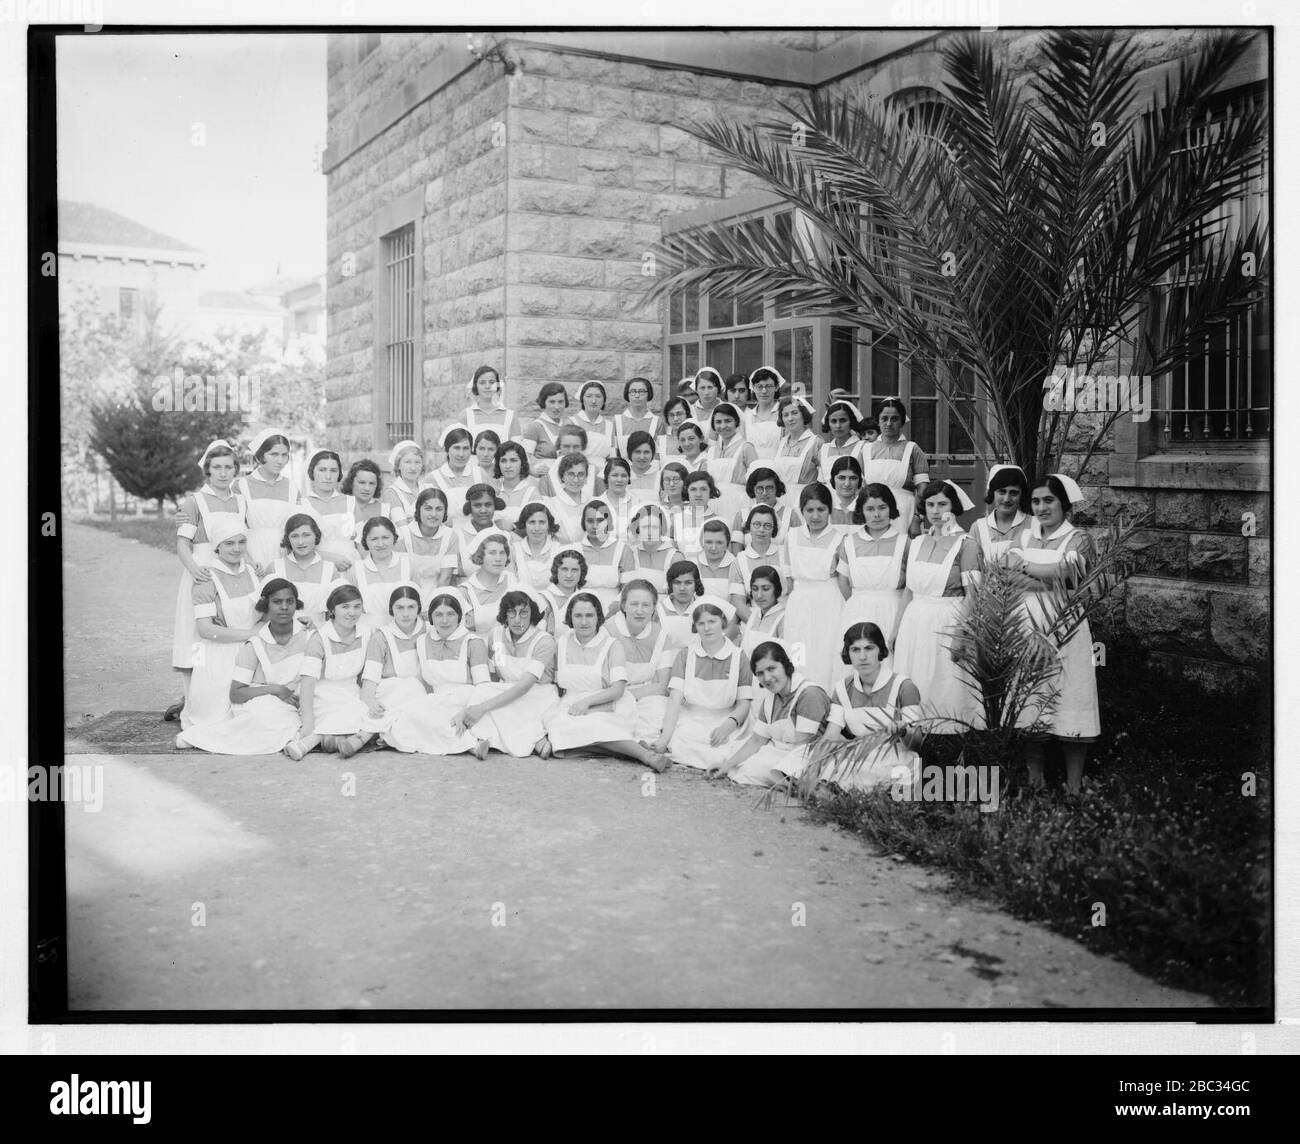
(1259, 561)
(537, 300)
(567, 365)
(1216, 557)
(623, 136)
(627, 277)
(637, 336)
(1159, 553)
(543, 161)
(1185, 510)
(677, 144)
(647, 365)
(1220, 679)
(540, 126)
(603, 168)
(1239, 620)
(1227, 512)
(1167, 616)
(601, 238)
(698, 179)
(589, 304)
(530, 91)
(1132, 503)
(550, 332)
(538, 232)
(651, 174)
(550, 198)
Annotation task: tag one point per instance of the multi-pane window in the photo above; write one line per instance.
(1222, 395)
(400, 290)
(128, 303)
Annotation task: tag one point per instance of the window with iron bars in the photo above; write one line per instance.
(400, 287)
(1222, 397)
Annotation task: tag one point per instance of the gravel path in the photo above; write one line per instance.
(450, 883)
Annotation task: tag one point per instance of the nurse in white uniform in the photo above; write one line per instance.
(1053, 554)
(600, 429)
(382, 569)
(390, 679)
(709, 693)
(637, 417)
(872, 565)
(789, 717)
(225, 616)
(999, 530)
(452, 663)
(595, 712)
(487, 407)
(334, 716)
(871, 701)
(269, 495)
(895, 461)
(301, 563)
(762, 423)
(334, 511)
(264, 684)
(649, 658)
(536, 546)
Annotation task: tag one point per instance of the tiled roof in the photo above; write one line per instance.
(85, 222)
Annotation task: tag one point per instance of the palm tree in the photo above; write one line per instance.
(1026, 229)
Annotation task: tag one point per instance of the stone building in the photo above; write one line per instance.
(499, 204)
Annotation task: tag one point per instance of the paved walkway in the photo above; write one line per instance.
(387, 881)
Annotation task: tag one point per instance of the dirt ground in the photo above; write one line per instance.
(394, 882)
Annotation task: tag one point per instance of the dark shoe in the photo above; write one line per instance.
(173, 712)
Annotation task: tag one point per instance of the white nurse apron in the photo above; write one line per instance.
(607, 723)
(214, 663)
(885, 471)
(184, 634)
(425, 726)
(266, 517)
(516, 728)
(876, 597)
(887, 764)
(264, 724)
(705, 704)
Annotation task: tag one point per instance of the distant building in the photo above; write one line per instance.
(234, 311)
(301, 302)
(119, 261)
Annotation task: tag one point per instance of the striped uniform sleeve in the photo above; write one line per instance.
(544, 652)
(810, 710)
(313, 659)
(245, 664)
(189, 531)
(677, 681)
(745, 684)
(204, 596)
(616, 665)
(376, 657)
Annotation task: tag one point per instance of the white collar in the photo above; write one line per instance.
(316, 558)
(394, 560)
(598, 420)
(852, 440)
(726, 651)
(669, 604)
(807, 432)
(749, 549)
(333, 496)
(665, 543)
(895, 526)
(446, 470)
(510, 641)
(332, 633)
(230, 493)
(728, 561)
(774, 610)
(1021, 517)
(572, 502)
(434, 637)
(266, 480)
(397, 632)
(1036, 530)
(596, 643)
(882, 680)
(264, 634)
(619, 624)
(219, 565)
(609, 541)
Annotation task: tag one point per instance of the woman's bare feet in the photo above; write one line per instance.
(481, 749)
(543, 748)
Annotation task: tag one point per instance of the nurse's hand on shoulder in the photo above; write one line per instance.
(182, 517)
(203, 575)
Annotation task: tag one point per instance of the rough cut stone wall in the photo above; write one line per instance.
(597, 162)
(444, 146)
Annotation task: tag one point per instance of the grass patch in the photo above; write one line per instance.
(148, 530)
(1163, 836)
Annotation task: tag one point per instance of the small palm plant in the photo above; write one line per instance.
(1008, 662)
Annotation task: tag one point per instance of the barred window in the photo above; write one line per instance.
(400, 287)
(1223, 396)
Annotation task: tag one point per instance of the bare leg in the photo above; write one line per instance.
(630, 749)
(349, 745)
(1076, 755)
(542, 748)
(300, 747)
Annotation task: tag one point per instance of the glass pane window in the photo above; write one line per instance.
(793, 350)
